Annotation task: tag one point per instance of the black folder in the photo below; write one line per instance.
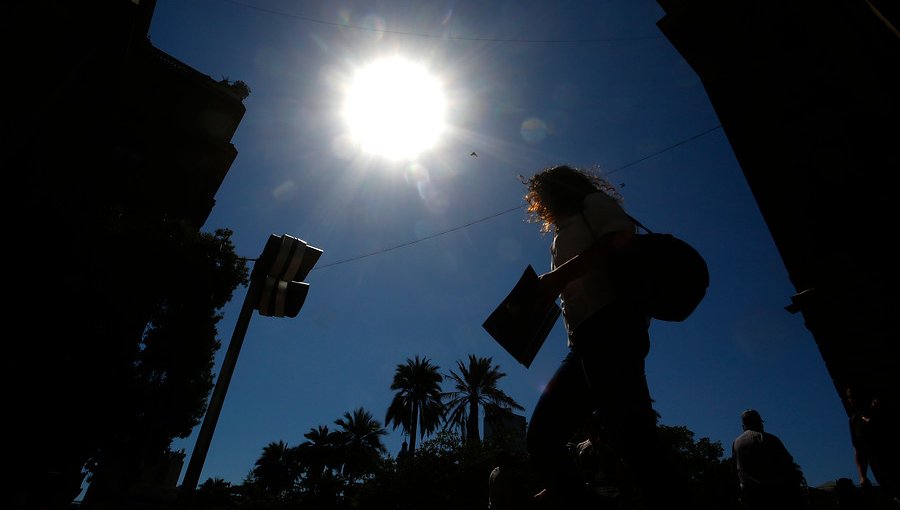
(522, 322)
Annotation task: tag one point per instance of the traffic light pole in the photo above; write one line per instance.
(204, 437)
(283, 259)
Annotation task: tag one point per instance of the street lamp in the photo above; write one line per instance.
(275, 292)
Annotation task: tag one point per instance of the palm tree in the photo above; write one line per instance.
(319, 454)
(214, 493)
(476, 385)
(360, 436)
(417, 401)
(318, 458)
(273, 472)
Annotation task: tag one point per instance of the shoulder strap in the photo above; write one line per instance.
(638, 223)
(630, 217)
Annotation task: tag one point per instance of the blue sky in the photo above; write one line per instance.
(528, 84)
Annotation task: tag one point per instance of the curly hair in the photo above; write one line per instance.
(559, 191)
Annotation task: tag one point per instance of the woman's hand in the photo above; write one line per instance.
(549, 287)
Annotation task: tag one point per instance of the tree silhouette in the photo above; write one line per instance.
(417, 401)
(320, 453)
(319, 457)
(361, 447)
(273, 473)
(698, 463)
(214, 493)
(476, 386)
(449, 473)
(160, 374)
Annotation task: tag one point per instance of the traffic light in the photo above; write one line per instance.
(279, 270)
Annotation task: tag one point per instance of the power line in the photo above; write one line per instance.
(432, 236)
(657, 153)
(433, 36)
(507, 211)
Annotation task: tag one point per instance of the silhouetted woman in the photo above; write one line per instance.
(607, 336)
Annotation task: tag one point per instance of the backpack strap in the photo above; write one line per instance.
(638, 223)
(630, 217)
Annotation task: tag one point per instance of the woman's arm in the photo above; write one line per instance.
(553, 282)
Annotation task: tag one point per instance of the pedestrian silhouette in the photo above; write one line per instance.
(403, 454)
(768, 477)
(608, 339)
(875, 444)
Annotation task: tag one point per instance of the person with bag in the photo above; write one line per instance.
(608, 341)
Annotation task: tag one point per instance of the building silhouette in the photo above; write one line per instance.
(807, 94)
(104, 135)
(145, 131)
(506, 426)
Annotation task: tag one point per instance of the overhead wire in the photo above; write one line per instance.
(437, 36)
(415, 241)
(507, 211)
(670, 147)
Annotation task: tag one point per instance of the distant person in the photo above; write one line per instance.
(501, 484)
(768, 477)
(403, 454)
(875, 444)
(608, 340)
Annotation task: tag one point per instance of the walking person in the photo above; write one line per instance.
(876, 446)
(768, 477)
(608, 341)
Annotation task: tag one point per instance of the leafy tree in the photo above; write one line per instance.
(236, 87)
(383, 489)
(360, 439)
(699, 465)
(448, 474)
(164, 376)
(475, 387)
(417, 401)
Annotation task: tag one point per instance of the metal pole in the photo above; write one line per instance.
(198, 456)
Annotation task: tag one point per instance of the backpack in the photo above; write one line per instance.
(665, 275)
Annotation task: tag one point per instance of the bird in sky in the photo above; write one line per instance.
(473, 154)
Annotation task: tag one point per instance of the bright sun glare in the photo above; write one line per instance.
(395, 109)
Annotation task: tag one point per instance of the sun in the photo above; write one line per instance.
(395, 108)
